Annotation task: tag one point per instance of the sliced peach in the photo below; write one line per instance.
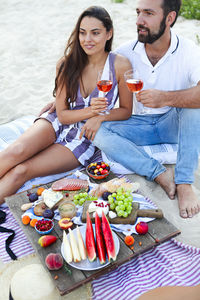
(65, 223)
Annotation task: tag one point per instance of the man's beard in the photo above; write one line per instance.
(151, 38)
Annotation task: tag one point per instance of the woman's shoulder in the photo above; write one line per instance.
(122, 62)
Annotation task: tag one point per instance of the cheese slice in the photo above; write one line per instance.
(51, 198)
(93, 207)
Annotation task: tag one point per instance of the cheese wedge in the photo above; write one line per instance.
(51, 198)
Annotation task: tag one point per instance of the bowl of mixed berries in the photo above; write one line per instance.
(44, 226)
(98, 170)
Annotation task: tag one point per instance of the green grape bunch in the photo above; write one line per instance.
(80, 198)
(121, 202)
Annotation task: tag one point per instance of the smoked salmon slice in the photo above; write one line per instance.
(70, 184)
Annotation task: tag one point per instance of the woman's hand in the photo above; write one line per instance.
(90, 128)
(98, 104)
(50, 107)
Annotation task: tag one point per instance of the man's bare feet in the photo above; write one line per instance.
(189, 205)
(166, 181)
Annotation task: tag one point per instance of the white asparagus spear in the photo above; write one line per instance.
(74, 247)
(67, 248)
(81, 245)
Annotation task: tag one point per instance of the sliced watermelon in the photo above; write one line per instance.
(89, 240)
(99, 240)
(108, 238)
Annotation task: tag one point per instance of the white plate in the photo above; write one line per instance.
(86, 265)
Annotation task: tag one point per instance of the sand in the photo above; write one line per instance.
(33, 37)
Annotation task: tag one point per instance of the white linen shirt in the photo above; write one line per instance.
(178, 69)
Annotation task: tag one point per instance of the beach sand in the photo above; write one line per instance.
(33, 37)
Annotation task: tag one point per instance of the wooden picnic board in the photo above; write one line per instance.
(160, 230)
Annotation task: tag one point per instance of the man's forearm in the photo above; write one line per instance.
(189, 98)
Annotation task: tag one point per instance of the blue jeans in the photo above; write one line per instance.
(122, 141)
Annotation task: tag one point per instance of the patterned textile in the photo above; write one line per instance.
(164, 153)
(20, 245)
(68, 135)
(171, 263)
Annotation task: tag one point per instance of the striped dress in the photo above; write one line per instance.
(68, 135)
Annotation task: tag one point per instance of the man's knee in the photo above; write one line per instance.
(98, 136)
(103, 133)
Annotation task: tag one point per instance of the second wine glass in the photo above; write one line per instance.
(134, 84)
(104, 84)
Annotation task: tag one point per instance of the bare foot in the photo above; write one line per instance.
(189, 205)
(166, 181)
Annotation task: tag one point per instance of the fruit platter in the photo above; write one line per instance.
(89, 261)
(76, 254)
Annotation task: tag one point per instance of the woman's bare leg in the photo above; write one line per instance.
(39, 136)
(54, 159)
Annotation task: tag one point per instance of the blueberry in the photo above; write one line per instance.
(33, 197)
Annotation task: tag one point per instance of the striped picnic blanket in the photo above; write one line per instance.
(171, 263)
(20, 245)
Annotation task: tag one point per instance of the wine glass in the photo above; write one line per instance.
(104, 85)
(134, 85)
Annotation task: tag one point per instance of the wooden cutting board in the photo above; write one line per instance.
(131, 219)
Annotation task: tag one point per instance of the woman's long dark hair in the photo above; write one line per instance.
(75, 59)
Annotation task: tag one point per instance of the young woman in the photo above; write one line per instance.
(62, 140)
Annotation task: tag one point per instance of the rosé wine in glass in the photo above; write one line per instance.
(134, 85)
(104, 84)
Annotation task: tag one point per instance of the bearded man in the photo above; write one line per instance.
(166, 110)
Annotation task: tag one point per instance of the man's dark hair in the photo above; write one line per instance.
(171, 5)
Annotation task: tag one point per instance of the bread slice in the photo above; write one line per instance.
(112, 186)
